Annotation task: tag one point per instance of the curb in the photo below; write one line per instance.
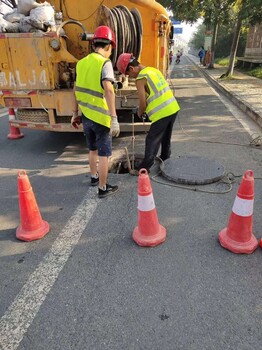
(244, 106)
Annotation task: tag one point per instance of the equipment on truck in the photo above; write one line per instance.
(37, 67)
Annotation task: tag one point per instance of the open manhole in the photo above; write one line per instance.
(192, 170)
(121, 166)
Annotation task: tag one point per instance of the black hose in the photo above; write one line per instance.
(127, 26)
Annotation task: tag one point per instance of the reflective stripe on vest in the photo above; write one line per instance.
(161, 102)
(88, 90)
(86, 105)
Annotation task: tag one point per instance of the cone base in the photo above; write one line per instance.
(15, 137)
(237, 247)
(29, 236)
(149, 241)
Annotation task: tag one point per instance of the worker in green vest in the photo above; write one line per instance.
(156, 99)
(94, 95)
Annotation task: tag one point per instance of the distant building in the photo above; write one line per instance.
(253, 50)
(254, 41)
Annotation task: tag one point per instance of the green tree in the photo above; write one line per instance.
(180, 9)
(214, 13)
(248, 12)
(217, 13)
(224, 41)
(198, 37)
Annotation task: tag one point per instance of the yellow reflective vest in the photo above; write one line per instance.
(88, 90)
(161, 102)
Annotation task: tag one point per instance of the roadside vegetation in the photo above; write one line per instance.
(227, 20)
(255, 72)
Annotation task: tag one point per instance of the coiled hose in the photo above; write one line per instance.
(127, 26)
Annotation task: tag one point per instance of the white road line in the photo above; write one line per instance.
(4, 113)
(21, 313)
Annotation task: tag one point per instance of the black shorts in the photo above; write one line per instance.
(97, 137)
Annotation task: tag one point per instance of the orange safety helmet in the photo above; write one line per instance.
(123, 61)
(106, 34)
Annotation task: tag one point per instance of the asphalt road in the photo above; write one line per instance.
(87, 285)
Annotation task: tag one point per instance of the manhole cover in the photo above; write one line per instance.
(192, 170)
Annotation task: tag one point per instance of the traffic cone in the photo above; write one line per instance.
(14, 133)
(149, 232)
(32, 226)
(238, 236)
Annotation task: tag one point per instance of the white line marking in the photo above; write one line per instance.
(21, 313)
(4, 113)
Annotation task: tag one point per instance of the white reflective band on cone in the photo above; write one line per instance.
(146, 203)
(243, 207)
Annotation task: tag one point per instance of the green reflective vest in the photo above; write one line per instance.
(161, 102)
(88, 90)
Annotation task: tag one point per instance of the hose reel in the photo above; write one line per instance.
(127, 26)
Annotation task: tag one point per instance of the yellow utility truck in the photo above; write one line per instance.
(37, 69)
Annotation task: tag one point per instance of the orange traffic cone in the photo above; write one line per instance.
(149, 232)
(238, 236)
(14, 133)
(32, 226)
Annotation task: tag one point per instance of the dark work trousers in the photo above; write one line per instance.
(159, 133)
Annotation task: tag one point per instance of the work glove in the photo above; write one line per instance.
(145, 118)
(114, 129)
(75, 121)
(134, 172)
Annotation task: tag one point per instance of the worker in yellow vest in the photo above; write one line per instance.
(156, 99)
(94, 95)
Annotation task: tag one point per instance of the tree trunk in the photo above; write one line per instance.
(213, 45)
(234, 46)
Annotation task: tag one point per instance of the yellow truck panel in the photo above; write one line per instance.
(31, 70)
(37, 70)
(4, 65)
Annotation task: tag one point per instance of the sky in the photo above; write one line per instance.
(188, 29)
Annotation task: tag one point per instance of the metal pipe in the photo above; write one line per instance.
(128, 160)
(133, 141)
